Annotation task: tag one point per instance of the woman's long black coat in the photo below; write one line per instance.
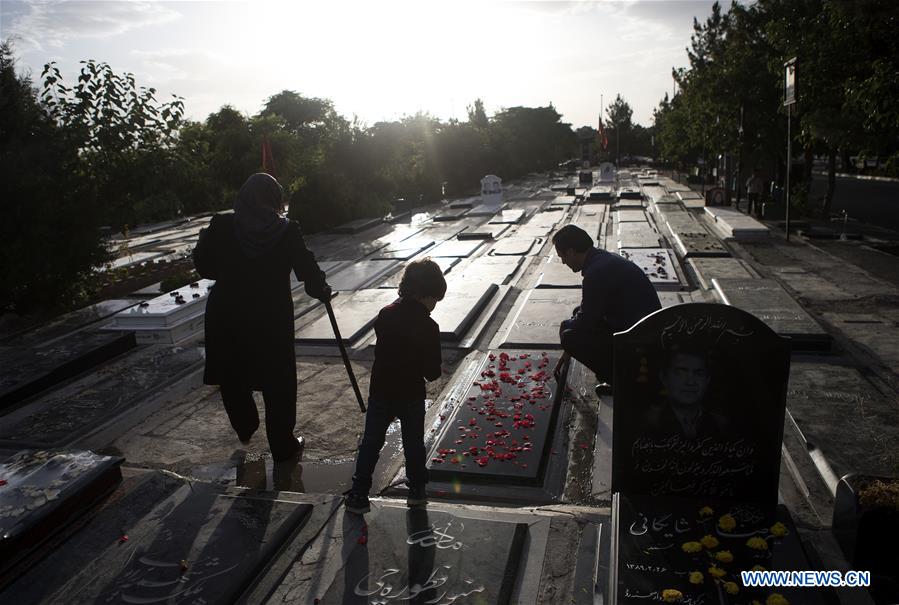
(249, 314)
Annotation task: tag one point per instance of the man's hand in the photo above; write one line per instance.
(560, 366)
(326, 293)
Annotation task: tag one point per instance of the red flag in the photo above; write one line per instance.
(268, 160)
(601, 135)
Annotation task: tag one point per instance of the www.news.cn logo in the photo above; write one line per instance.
(802, 579)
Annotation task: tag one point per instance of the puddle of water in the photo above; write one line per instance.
(301, 477)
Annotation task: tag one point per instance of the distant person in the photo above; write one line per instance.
(754, 187)
(407, 354)
(616, 295)
(249, 315)
(685, 379)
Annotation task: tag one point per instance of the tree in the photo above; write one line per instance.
(619, 117)
(49, 236)
(477, 117)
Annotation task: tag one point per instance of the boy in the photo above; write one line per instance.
(407, 354)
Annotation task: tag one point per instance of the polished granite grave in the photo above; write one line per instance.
(767, 300)
(502, 427)
(405, 249)
(199, 545)
(355, 314)
(696, 243)
(483, 232)
(514, 246)
(361, 274)
(707, 269)
(629, 193)
(668, 543)
(65, 325)
(556, 275)
(600, 193)
(62, 416)
(43, 491)
(637, 235)
(455, 248)
(657, 264)
(28, 370)
(534, 323)
(358, 225)
(463, 303)
(398, 555)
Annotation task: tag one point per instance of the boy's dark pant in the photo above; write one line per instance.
(377, 419)
(280, 414)
(591, 348)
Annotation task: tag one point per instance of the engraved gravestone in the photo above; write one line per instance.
(693, 243)
(360, 274)
(405, 249)
(199, 545)
(606, 172)
(425, 556)
(700, 393)
(495, 269)
(536, 323)
(514, 246)
(656, 264)
(455, 248)
(460, 308)
(355, 314)
(492, 191)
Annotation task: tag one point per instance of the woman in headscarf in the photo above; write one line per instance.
(249, 315)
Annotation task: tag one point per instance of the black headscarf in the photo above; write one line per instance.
(257, 224)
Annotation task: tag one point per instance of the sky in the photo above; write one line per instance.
(376, 60)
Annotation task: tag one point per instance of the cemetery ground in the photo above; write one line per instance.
(528, 503)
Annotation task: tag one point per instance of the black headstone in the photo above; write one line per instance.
(700, 394)
(502, 429)
(422, 556)
(42, 491)
(200, 545)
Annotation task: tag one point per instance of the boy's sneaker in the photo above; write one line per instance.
(357, 503)
(417, 496)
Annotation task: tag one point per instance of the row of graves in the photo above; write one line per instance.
(687, 452)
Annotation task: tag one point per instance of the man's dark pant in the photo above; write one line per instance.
(280, 414)
(412, 424)
(591, 348)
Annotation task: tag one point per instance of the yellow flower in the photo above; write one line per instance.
(776, 599)
(778, 529)
(691, 547)
(758, 568)
(716, 571)
(757, 543)
(696, 577)
(669, 595)
(709, 541)
(724, 556)
(731, 587)
(706, 511)
(727, 522)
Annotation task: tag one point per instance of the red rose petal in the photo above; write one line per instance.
(362, 540)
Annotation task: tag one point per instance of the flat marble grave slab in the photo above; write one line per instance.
(405, 249)
(514, 246)
(501, 430)
(556, 275)
(637, 235)
(507, 217)
(60, 417)
(708, 269)
(535, 324)
(495, 269)
(358, 225)
(600, 192)
(464, 302)
(631, 215)
(564, 200)
(629, 193)
(455, 248)
(65, 325)
(698, 243)
(657, 264)
(767, 300)
(733, 223)
(445, 263)
(355, 314)
(45, 490)
(485, 209)
(167, 309)
(224, 540)
(533, 231)
(424, 556)
(451, 214)
(28, 370)
(483, 232)
(361, 274)
(690, 199)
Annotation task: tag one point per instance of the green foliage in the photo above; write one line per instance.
(49, 237)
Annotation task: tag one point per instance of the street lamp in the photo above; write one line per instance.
(789, 101)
